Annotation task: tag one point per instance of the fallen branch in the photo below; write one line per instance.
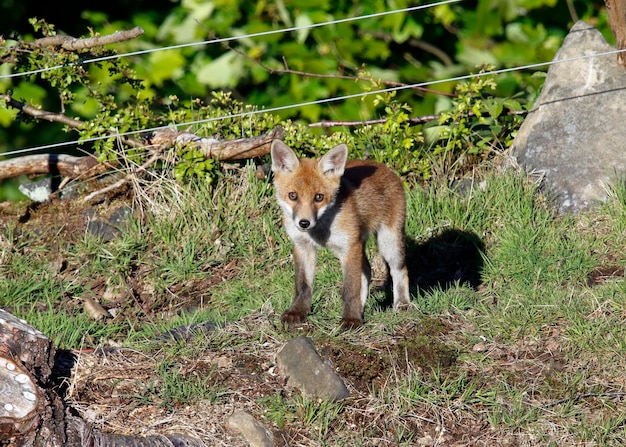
(74, 167)
(75, 44)
(60, 164)
(239, 149)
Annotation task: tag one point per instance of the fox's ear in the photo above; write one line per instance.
(334, 161)
(283, 158)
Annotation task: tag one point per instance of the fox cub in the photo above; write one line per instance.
(338, 203)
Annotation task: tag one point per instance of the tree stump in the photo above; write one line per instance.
(32, 413)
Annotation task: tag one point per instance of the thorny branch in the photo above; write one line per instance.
(41, 114)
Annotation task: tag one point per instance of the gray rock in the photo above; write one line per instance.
(252, 430)
(575, 135)
(184, 333)
(109, 228)
(39, 190)
(300, 362)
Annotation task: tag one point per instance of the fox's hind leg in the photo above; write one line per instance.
(391, 247)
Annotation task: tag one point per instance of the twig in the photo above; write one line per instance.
(41, 114)
(74, 44)
(288, 70)
(126, 178)
(414, 120)
(578, 397)
(59, 118)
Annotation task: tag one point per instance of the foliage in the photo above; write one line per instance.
(280, 69)
(394, 141)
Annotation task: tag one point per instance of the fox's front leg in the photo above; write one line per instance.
(304, 256)
(356, 279)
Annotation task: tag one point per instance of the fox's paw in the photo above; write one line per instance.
(292, 319)
(351, 323)
(403, 306)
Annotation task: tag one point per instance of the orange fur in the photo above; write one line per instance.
(338, 203)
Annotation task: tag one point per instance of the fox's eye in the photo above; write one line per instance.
(293, 196)
(318, 197)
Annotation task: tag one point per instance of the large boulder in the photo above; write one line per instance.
(575, 136)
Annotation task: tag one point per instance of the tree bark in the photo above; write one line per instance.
(73, 44)
(239, 149)
(616, 10)
(60, 164)
(33, 414)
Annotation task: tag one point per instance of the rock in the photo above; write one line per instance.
(575, 134)
(109, 228)
(300, 362)
(255, 433)
(184, 333)
(40, 190)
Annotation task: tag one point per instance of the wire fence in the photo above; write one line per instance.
(262, 110)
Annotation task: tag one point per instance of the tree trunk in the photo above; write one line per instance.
(616, 10)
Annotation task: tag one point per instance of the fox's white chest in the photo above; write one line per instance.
(327, 236)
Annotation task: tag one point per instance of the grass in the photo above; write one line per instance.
(526, 306)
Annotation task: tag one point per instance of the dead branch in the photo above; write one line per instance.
(65, 165)
(75, 44)
(74, 167)
(41, 114)
(59, 118)
(239, 149)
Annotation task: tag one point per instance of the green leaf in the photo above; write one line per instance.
(303, 20)
(225, 71)
(165, 65)
(494, 107)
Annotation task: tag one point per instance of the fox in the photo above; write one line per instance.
(338, 204)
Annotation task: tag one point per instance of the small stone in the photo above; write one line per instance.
(252, 430)
(300, 362)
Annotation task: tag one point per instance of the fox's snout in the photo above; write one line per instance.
(304, 220)
(304, 224)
